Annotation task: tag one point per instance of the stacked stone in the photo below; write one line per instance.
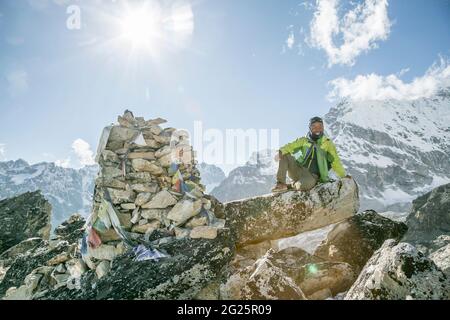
(154, 185)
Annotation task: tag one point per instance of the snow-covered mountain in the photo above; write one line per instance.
(396, 150)
(255, 178)
(68, 190)
(211, 175)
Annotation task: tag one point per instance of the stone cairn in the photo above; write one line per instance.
(149, 175)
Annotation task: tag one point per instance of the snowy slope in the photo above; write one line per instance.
(396, 150)
(211, 176)
(68, 190)
(256, 177)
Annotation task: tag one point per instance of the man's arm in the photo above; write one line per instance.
(292, 146)
(336, 163)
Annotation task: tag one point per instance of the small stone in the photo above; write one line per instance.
(60, 268)
(166, 160)
(206, 204)
(135, 216)
(142, 198)
(109, 235)
(162, 139)
(142, 155)
(148, 187)
(60, 258)
(142, 222)
(110, 156)
(152, 143)
(76, 268)
(146, 166)
(102, 269)
(154, 214)
(125, 220)
(155, 122)
(155, 130)
(163, 151)
(121, 134)
(103, 252)
(203, 232)
(161, 200)
(146, 227)
(139, 177)
(181, 232)
(121, 196)
(184, 210)
(60, 279)
(197, 221)
(128, 206)
(109, 173)
(321, 294)
(110, 183)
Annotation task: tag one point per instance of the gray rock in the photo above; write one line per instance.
(161, 200)
(261, 281)
(184, 210)
(399, 271)
(22, 217)
(429, 217)
(441, 258)
(142, 198)
(142, 165)
(355, 240)
(279, 216)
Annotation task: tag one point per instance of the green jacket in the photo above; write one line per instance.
(302, 150)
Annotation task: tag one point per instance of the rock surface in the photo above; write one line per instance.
(429, 217)
(22, 217)
(261, 281)
(283, 215)
(399, 271)
(355, 240)
(192, 264)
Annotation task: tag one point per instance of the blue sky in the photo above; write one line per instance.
(240, 64)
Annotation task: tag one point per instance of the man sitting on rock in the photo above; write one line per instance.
(308, 160)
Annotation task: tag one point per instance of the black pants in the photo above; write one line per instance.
(288, 165)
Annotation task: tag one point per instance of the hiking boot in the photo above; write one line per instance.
(280, 187)
(297, 185)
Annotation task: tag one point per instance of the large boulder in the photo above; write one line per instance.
(282, 215)
(317, 278)
(429, 217)
(399, 271)
(355, 240)
(25, 216)
(261, 281)
(441, 257)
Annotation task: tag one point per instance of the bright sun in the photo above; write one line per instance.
(153, 27)
(142, 26)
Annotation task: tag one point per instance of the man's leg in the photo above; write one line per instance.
(307, 179)
(287, 165)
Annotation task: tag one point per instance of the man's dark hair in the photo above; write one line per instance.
(314, 120)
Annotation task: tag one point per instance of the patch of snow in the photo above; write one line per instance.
(308, 241)
(22, 177)
(395, 216)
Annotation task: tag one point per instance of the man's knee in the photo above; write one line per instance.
(308, 182)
